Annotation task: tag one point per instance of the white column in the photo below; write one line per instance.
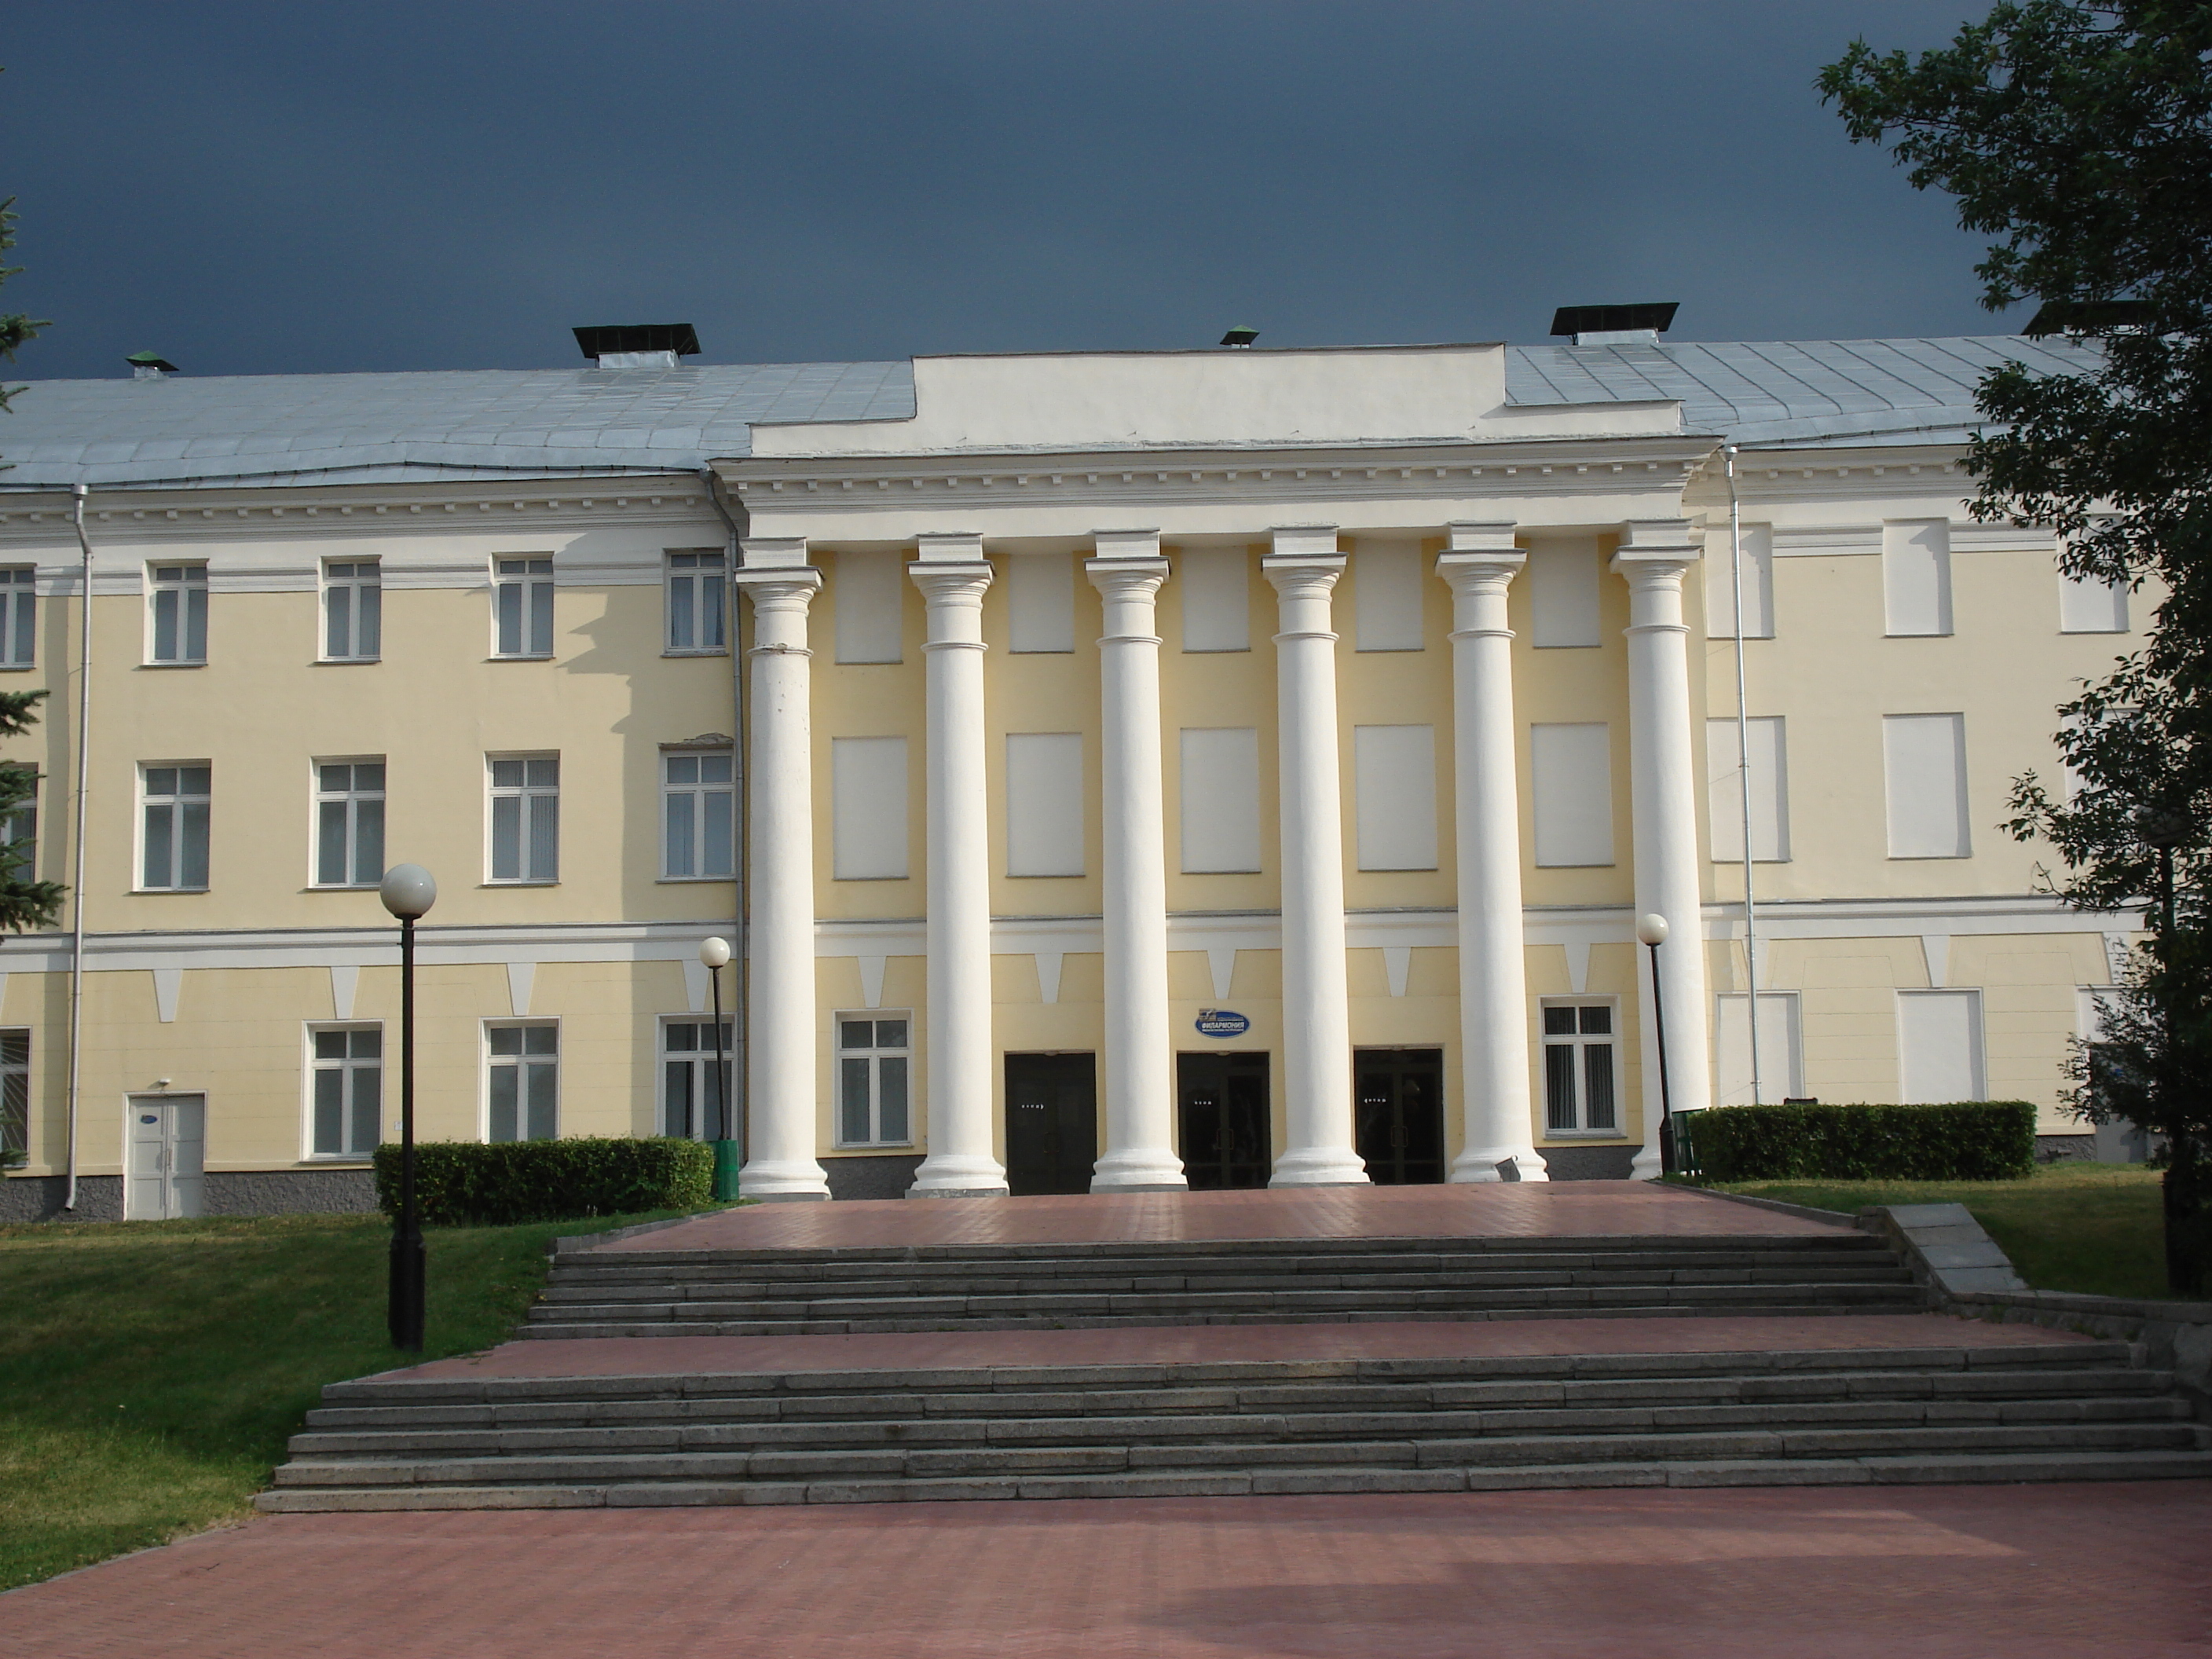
(779, 1024)
(1654, 556)
(1316, 1000)
(1480, 564)
(953, 574)
(1139, 1063)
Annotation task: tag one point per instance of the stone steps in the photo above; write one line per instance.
(2069, 1411)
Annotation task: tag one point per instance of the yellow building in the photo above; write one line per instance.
(1216, 767)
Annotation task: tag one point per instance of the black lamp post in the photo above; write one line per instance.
(408, 891)
(1651, 932)
(729, 1140)
(2162, 829)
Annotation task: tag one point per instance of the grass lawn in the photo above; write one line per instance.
(2092, 1227)
(151, 1370)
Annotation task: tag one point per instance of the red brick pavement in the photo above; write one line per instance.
(2026, 1573)
(1512, 1210)
(708, 1356)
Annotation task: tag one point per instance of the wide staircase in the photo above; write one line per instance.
(2062, 1410)
(790, 1293)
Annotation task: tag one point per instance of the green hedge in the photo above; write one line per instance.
(1972, 1140)
(465, 1183)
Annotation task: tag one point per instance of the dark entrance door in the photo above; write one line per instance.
(1399, 1101)
(1052, 1123)
(1222, 1101)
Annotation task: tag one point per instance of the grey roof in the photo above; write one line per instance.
(1794, 394)
(594, 422)
(465, 425)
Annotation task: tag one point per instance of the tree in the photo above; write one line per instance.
(2080, 136)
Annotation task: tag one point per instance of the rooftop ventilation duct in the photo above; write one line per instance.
(2087, 317)
(149, 366)
(638, 346)
(1615, 325)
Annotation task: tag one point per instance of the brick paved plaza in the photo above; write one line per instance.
(1927, 1573)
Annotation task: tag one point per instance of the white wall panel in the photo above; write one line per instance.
(1220, 799)
(1781, 1058)
(1386, 596)
(1757, 574)
(1770, 790)
(1570, 770)
(1916, 576)
(1925, 774)
(867, 808)
(1563, 596)
(1939, 1047)
(2092, 607)
(1044, 803)
(1041, 602)
(864, 616)
(1217, 599)
(1394, 780)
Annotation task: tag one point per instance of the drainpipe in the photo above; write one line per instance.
(78, 495)
(741, 959)
(1743, 772)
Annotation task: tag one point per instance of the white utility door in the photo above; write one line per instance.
(168, 1145)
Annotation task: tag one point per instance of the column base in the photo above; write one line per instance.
(956, 1177)
(783, 1179)
(1139, 1170)
(1320, 1166)
(1646, 1164)
(1479, 1164)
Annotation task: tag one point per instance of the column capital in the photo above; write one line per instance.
(1655, 549)
(1132, 579)
(784, 585)
(1303, 576)
(1480, 573)
(951, 583)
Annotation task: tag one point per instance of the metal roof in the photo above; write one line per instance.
(489, 424)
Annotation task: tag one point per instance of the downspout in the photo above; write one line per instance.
(1743, 772)
(741, 957)
(78, 494)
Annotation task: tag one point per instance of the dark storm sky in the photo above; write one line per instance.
(254, 188)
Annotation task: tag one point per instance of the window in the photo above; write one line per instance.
(698, 801)
(1220, 799)
(353, 610)
(1939, 1047)
(523, 1084)
(1915, 577)
(697, 603)
(19, 830)
(872, 1081)
(1386, 597)
(1571, 779)
(1781, 1058)
(691, 1107)
(1393, 781)
(1756, 570)
(866, 614)
(14, 1096)
(1044, 803)
(1925, 768)
(522, 607)
(348, 823)
(175, 851)
(1041, 602)
(867, 808)
(1578, 1069)
(19, 631)
(1216, 598)
(2087, 606)
(181, 611)
(1564, 608)
(348, 1078)
(1769, 789)
(525, 818)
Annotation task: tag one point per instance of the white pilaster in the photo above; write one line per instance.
(953, 574)
(781, 1035)
(1140, 1154)
(1654, 556)
(1316, 999)
(1480, 564)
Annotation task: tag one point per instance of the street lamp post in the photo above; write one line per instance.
(729, 1140)
(1651, 932)
(2163, 829)
(408, 891)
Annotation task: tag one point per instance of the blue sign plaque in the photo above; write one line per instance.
(1222, 1023)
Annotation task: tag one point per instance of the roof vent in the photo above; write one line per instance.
(638, 346)
(1240, 337)
(149, 366)
(1615, 325)
(2088, 317)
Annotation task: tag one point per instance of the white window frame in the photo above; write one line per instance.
(493, 1061)
(19, 616)
(182, 582)
(692, 801)
(14, 1095)
(22, 824)
(872, 1056)
(526, 793)
(357, 580)
(702, 575)
(528, 578)
(348, 1068)
(353, 797)
(177, 800)
(1580, 1043)
(699, 1061)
